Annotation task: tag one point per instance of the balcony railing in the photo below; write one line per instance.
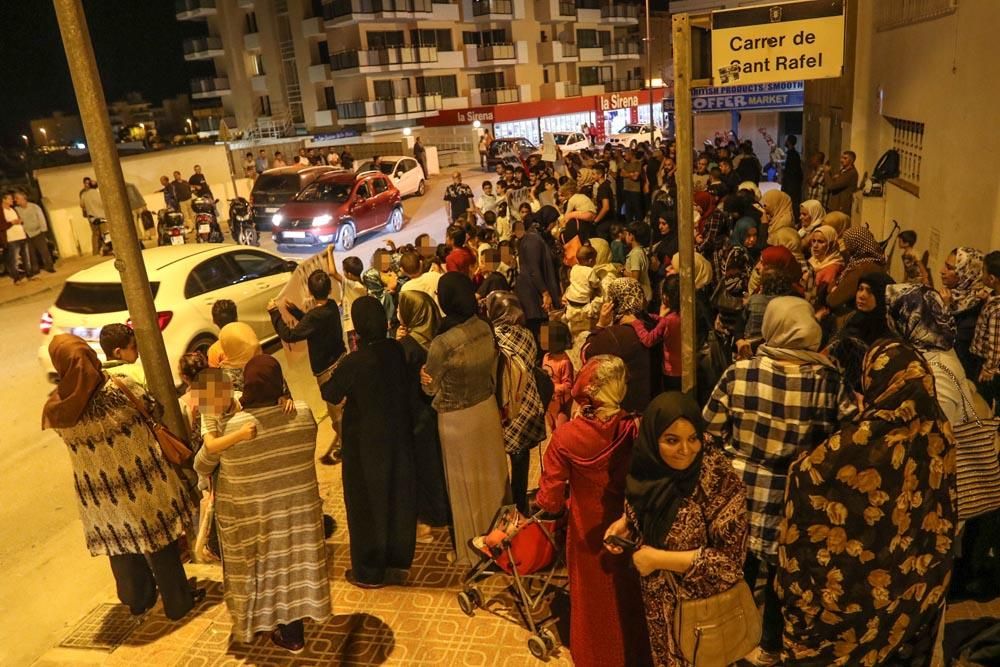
(200, 45)
(209, 86)
(488, 7)
(356, 109)
(392, 55)
(623, 48)
(194, 8)
(567, 9)
(617, 11)
(588, 4)
(622, 85)
(341, 8)
(571, 89)
(500, 96)
(496, 52)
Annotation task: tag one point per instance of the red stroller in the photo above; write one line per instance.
(529, 550)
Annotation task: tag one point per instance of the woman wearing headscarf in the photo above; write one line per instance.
(626, 302)
(702, 270)
(419, 319)
(711, 231)
(239, 344)
(825, 260)
(780, 275)
(781, 228)
(378, 467)
(811, 214)
(589, 456)
(686, 508)
(736, 268)
(963, 291)
(862, 255)
(522, 412)
(866, 545)
(838, 220)
(132, 503)
(867, 321)
(461, 376)
(766, 411)
(269, 513)
(372, 280)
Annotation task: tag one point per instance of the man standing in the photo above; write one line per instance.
(420, 155)
(791, 179)
(94, 206)
(816, 185)
(631, 172)
(701, 175)
(459, 197)
(747, 165)
(842, 186)
(199, 184)
(260, 164)
(15, 239)
(537, 286)
(35, 227)
(604, 198)
(182, 193)
(169, 200)
(347, 158)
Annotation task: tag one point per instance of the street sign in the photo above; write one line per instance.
(789, 41)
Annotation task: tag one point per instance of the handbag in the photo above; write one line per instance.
(722, 300)
(718, 630)
(174, 449)
(569, 251)
(978, 467)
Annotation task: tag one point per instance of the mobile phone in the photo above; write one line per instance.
(621, 542)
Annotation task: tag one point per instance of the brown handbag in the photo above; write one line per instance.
(718, 630)
(174, 449)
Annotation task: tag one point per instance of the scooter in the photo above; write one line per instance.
(170, 227)
(102, 226)
(206, 221)
(241, 222)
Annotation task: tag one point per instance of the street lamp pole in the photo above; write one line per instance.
(649, 76)
(107, 168)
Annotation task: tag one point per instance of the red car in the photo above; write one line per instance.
(337, 208)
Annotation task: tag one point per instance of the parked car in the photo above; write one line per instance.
(509, 150)
(186, 280)
(275, 187)
(337, 208)
(571, 142)
(405, 173)
(632, 135)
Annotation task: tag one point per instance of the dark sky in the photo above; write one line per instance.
(138, 44)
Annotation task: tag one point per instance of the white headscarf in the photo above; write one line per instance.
(702, 269)
(791, 332)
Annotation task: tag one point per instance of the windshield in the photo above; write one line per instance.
(328, 191)
(276, 183)
(385, 167)
(95, 298)
(634, 129)
(561, 139)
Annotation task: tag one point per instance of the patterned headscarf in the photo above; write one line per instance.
(860, 246)
(897, 384)
(600, 386)
(969, 267)
(626, 297)
(372, 280)
(917, 314)
(503, 309)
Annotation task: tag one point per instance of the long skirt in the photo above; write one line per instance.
(475, 468)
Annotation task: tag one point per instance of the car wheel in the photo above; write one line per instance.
(395, 222)
(201, 344)
(346, 238)
(422, 188)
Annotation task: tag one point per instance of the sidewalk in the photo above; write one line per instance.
(46, 282)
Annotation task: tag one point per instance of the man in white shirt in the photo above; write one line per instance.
(35, 228)
(15, 239)
(410, 263)
(94, 205)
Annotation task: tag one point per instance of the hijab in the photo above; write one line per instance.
(372, 280)
(833, 255)
(702, 269)
(669, 244)
(603, 249)
(420, 315)
(263, 382)
(860, 247)
(871, 326)
(627, 297)
(969, 267)
(503, 309)
(917, 314)
(750, 186)
(654, 489)
(457, 297)
(897, 384)
(816, 213)
(369, 320)
(600, 386)
(791, 332)
(80, 377)
(239, 345)
(838, 220)
(706, 204)
(780, 259)
(779, 210)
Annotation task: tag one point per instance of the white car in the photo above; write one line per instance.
(571, 142)
(186, 281)
(631, 136)
(405, 173)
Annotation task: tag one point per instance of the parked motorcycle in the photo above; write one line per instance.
(170, 227)
(105, 232)
(206, 221)
(241, 222)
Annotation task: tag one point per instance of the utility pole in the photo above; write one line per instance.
(107, 168)
(685, 204)
(649, 77)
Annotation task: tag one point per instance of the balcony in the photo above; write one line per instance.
(455, 102)
(557, 52)
(492, 10)
(619, 14)
(446, 11)
(203, 48)
(588, 11)
(591, 53)
(479, 97)
(194, 10)
(623, 85)
(313, 27)
(389, 59)
(325, 118)
(258, 83)
(554, 11)
(588, 89)
(246, 4)
(403, 108)
(496, 54)
(209, 87)
(346, 12)
(251, 42)
(623, 49)
(319, 73)
(560, 90)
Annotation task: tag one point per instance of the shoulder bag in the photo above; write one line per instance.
(719, 630)
(174, 449)
(978, 467)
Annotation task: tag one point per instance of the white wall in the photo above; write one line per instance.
(60, 187)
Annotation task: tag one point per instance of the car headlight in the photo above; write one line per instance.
(276, 219)
(322, 220)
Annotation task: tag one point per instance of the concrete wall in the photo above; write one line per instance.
(933, 72)
(60, 187)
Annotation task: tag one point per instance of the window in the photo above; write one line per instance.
(209, 276)
(94, 298)
(252, 264)
(445, 86)
(251, 23)
(908, 139)
(488, 80)
(545, 75)
(363, 192)
(439, 38)
(324, 53)
(256, 64)
(891, 14)
(590, 76)
(486, 38)
(380, 185)
(391, 89)
(384, 39)
(330, 98)
(264, 105)
(329, 192)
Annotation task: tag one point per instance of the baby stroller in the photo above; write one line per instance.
(529, 551)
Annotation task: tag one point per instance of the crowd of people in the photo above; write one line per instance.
(817, 462)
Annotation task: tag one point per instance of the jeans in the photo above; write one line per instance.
(18, 250)
(38, 254)
(633, 205)
(770, 639)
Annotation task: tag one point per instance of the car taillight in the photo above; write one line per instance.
(162, 319)
(45, 324)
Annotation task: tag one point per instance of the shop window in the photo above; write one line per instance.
(891, 14)
(908, 139)
(445, 86)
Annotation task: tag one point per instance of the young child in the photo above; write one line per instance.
(488, 201)
(493, 279)
(555, 340)
(986, 341)
(577, 296)
(352, 289)
(667, 331)
(121, 352)
(490, 220)
(914, 268)
(223, 313)
(619, 248)
(504, 226)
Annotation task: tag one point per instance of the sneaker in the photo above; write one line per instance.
(331, 458)
(424, 534)
(761, 658)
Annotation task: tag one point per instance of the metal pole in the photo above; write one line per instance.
(107, 168)
(685, 205)
(649, 76)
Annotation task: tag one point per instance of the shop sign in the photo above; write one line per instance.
(778, 42)
(473, 116)
(789, 95)
(618, 101)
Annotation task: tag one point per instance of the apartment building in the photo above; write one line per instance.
(318, 66)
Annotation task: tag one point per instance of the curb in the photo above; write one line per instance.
(27, 295)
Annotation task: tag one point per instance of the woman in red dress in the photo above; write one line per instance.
(591, 454)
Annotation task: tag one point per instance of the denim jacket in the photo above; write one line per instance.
(462, 363)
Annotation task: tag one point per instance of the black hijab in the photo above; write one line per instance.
(369, 319)
(263, 382)
(873, 325)
(457, 297)
(654, 489)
